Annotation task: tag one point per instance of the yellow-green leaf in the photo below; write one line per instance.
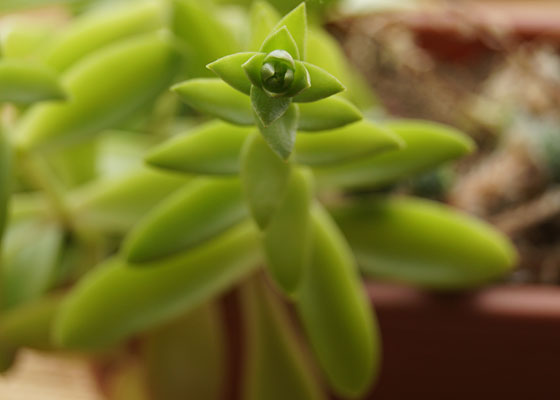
(330, 113)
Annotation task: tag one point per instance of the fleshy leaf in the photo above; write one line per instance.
(302, 80)
(264, 176)
(275, 365)
(217, 98)
(263, 18)
(281, 134)
(25, 83)
(253, 67)
(195, 343)
(268, 109)
(115, 301)
(296, 23)
(350, 142)
(230, 69)
(189, 217)
(427, 145)
(287, 238)
(322, 85)
(330, 113)
(210, 149)
(424, 243)
(280, 40)
(336, 313)
(104, 90)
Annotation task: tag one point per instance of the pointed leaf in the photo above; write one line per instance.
(427, 145)
(195, 343)
(264, 176)
(267, 108)
(281, 134)
(104, 90)
(330, 113)
(217, 98)
(336, 314)
(424, 243)
(348, 143)
(296, 23)
(323, 85)
(25, 83)
(302, 80)
(210, 149)
(287, 238)
(263, 18)
(275, 368)
(115, 300)
(230, 69)
(281, 39)
(189, 217)
(252, 69)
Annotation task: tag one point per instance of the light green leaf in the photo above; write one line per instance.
(253, 67)
(280, 40)
(113, 206)
(330, 113)
(427, 145)
(93, 31)
(336, 313)
(195, 343)
(217, 98)
(302, 80)
(115, 301)
(350, 142)
(267, 108)
(189, 217)
(29, 260)
(5, 180)
(210, 149)
(323, 84)
(104, 91)
(281, 134)
(287, 237)
(263, 18)
(296, 23)
(424, 243)
(275, 366)
(230, 69)
(264, 177)
(22, 82)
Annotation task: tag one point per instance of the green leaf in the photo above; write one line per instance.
(217, 98)
(210, 149)
(281, 134)
(427, 145)
(25, 83)
(189, 217)
(5, 180)
(302, 80)
(348, 143)
(280, 40)
(93, 31)
(336, 313)
(27, 326)
(296, 23)
(195, 343)
(264, 176)
(104, 90)
(267, 108)
(287, 237)
(230, 69)
(253, 67)
(115, 301)
(113, 206)
(323, 85)
(28, 271)
(263, 18)
(424, 243)
(330, 113)
(275, 366)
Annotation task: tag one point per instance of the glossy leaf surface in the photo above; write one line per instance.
(218, 99)
(424, 243)
(115, 300)
(330, 113)
(280, 39)
(323, 85)
(336, 313)
(191, 216)
(230, 69)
